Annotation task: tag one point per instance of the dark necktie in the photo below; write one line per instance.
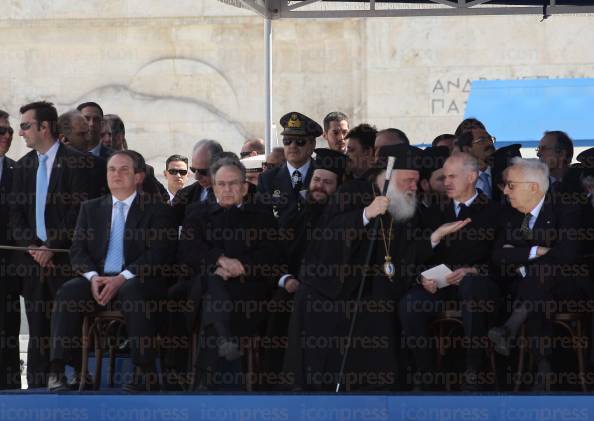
(525, 227)
(297, 180)
(462, 209)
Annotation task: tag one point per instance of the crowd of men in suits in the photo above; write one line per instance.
(319, 264)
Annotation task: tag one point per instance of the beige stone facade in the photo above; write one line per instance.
(182, 70)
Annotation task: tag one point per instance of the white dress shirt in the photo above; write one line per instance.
(96, 150)
(127, 204)
(304, 169)
(467, 203)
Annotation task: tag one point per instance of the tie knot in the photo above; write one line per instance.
(120, 205)
(42, 158)
(296, 177)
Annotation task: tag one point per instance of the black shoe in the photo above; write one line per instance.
(143, 380)
(173, 381)
(542, 379)
(500, 337)
(57, 383)
(228, 350)
(472, 382)
(74, 382)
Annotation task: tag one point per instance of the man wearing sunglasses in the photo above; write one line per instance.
(252, 147)
(555, 149)
(285, 187)
(204, 154)
(51, 183)
(176, 173)
(10, 376)
(480, 144)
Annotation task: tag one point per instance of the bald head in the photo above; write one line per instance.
(73, 130)
(253, 147)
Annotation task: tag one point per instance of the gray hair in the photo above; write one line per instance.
(213, 147)
(469, 162)
(533, 170)
(228, 161)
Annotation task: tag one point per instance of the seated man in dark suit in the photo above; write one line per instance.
(285, 187)
(121, 248)
(538, 250)
(232, 247)
(468, 254)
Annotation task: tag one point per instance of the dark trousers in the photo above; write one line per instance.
(39, 287)
(136, 299)
(477, 297)
(178, 334)
(544, 298)
(10, 322)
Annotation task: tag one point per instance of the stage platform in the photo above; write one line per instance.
(37, 406)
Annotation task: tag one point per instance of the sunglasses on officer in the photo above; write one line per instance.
(4, 130)
(299, 141)
(174, 171)
(200, 171)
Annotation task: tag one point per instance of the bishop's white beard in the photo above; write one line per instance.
(402, 205)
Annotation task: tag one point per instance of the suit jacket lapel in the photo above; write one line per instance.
(6, 180)
(309, 174)
(104, 223)
(283, 179)
(449, 213)
(57, 170)
(134, 217)
(544, 217)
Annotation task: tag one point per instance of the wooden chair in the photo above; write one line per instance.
(97, 329)
(573, 323)
(453, 318)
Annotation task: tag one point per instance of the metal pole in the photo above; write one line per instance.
(268, 83)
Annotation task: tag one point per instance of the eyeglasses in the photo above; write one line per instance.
(299, 141)
(27, 125)
(4, 130)
(511, 185)
(173, 171)
(200, 171)
(484, 139)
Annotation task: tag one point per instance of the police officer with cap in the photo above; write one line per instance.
(285, 187)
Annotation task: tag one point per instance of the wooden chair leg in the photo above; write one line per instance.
(85, 353)
(112, 357)
(98, 360)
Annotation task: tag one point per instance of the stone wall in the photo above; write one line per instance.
(183, 70)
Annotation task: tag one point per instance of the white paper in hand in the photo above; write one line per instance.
(438, 273)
